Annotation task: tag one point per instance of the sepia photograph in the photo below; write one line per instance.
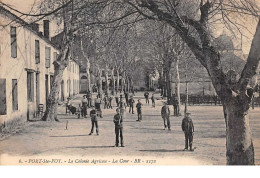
(129, 82)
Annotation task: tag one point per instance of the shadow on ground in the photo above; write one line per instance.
(86, 147)
(162, 150)
(71, 136)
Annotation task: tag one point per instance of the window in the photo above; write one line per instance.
(14, 95)
(47, 57)
(2, 96)
(13, 42)
(37, 52)
(30, 87)
(55, 56)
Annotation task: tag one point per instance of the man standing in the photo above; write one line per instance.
(110, 99)
(153, 100)
(175, 106)
(117, 100)
(89, 97)
(139, 110)
(121, 103)
(126, 98)
(165, 113)
(94, 121)
(118, 120)
(131, 104)
(188, 129)
(106, 102)
(84, 106)
(98, 106)
(146, 95)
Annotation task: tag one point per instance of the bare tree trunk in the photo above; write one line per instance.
(161, 82)
(59, 66)
(113, 82)
(117, 81)
(165, 83)
(168, 85)
(123, 82)
(128, 84)
(52, 102)
(99, 82)
(186, 96)
(177, 83)
(106, 80)
(87, 67)
(240, 150)
(131, 84)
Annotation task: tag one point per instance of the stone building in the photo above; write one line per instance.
(26, 68)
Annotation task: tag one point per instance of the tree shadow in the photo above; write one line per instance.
(152, 115)
(86, 147)
(70, 135)
(162, 150)
(149, 129)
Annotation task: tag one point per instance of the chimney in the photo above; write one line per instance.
(46, 28)
(35, 27)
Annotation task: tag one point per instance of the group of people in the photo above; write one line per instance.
(122, 104)
(146, 95)
(187, 125)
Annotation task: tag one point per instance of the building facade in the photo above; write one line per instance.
(26, 68)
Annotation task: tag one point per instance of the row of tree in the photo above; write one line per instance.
(175, 30)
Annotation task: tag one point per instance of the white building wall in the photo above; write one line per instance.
(71, 73)
(16, 68)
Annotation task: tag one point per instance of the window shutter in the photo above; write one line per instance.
(13, 42)
(2, 96)
(47, 57)
(37, 51)
(14, 94)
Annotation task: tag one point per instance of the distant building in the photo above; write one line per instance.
(26, 68)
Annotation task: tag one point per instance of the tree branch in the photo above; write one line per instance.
(252, 61)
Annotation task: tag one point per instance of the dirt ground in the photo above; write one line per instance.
(142, 139)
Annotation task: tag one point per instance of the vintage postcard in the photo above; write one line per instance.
(129, 82)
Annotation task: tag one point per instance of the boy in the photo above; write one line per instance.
(94, 121)
(139, 110)
(118, 119)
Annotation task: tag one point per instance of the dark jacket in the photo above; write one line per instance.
(165, 111)
(187, 125)
(93, 115)
(118, 120)
(139, 107)
(131, 101)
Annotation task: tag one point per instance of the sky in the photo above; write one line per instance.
(25, 6)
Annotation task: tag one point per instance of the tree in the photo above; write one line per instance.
(235, 99)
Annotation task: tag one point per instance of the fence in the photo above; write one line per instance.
(209, 100)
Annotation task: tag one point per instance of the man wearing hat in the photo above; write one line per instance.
(118, 121)
(131, 102)
(139, 110)
(146, 95)
(165, 113)
(84, 106)
(117, 100)
(188, 129)
(122, 102)
(98, 105)
(94, 120)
